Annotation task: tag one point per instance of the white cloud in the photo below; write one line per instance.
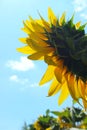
(24, 84)
(34, 85)
(16, 79)
(28, 86)
(23, 64)
(84, 15)
(79, 5)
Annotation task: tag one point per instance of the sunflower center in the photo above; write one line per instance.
(71, 46)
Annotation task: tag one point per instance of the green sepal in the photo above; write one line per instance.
(70, 43)
(70, 22)
(84, 58)
(83, 40)
(82, 26)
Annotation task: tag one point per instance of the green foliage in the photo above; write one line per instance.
(68, 118)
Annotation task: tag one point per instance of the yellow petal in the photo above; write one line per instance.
(85, 104)
(85, 88)
(26, 50)
(73, 87)
(38, 39)
(37, 27)
(76, 90)
(23, 40)
(45, 24)
(70, 82)
(42, 36)
(36, 56)
(39, 21)
(38, 47)
(64, 93)
(58, 74)
(77, 25)
(50, 128)
(27, 28)
(36, 24)
(54, 88)
(58, 62)
(49, 74)
(81, 88)
(49, 61)
(29, 25)
(34, 45)
(52, 17)
(62, 19)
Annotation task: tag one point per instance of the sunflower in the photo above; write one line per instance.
(37, 126)
(63, 46)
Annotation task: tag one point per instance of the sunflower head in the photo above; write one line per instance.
(63, 46)
(70, 43)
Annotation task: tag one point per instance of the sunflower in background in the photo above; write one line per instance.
(63, 46)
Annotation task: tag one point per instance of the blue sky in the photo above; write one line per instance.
(21, 99)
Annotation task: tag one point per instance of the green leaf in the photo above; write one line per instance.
(60, 114)
(47, 112)
(44, 119)
(85, 121)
